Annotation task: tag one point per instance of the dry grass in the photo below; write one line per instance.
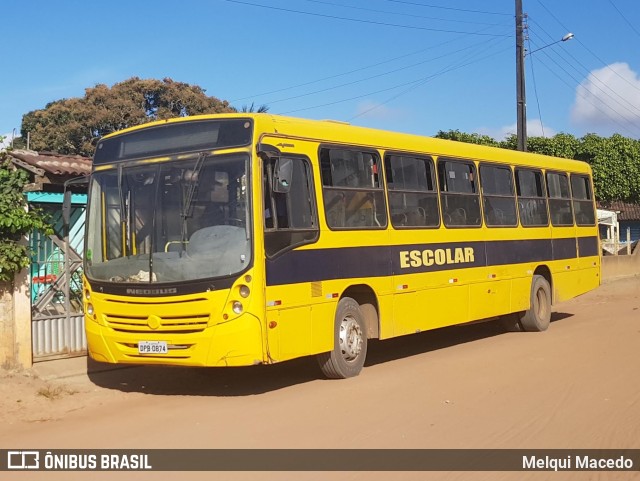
(55, 392)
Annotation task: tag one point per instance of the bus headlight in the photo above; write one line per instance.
(87, 294)
(244, 291)
(90, 309)
(237, 307)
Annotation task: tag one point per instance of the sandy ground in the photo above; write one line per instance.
(575, 386)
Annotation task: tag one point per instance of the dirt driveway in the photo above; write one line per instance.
(575, 386)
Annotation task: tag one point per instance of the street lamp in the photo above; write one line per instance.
(520, 84)
(568, 36)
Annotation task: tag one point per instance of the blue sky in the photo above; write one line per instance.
(414, 66)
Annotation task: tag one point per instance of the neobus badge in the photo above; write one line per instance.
(152, 292)
(429, 257)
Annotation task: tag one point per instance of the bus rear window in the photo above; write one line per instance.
(172, 138)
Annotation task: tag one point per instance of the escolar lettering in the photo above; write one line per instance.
(439, 257)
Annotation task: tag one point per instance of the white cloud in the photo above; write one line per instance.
(374, 110)
(609, 100)
(534, 129)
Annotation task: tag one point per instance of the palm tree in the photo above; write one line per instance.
(252, 109)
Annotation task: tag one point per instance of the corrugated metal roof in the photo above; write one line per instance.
(627, 211)
(53, 163)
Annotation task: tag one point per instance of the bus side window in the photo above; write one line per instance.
(459, 196)
(352, 189)
(532, 201)
(498, 196)
(582, 200)
(413, 199)
(559, 199)
(290, 218)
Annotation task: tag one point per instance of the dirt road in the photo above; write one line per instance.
(575, 386)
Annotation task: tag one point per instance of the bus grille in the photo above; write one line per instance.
(173, 324)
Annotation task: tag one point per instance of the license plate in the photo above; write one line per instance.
(152, 347)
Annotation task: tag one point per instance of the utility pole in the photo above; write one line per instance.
(520, 86)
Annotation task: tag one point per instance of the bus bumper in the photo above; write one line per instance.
(234, 343)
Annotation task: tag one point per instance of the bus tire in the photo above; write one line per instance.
(349, 341)
(538, 316)
(511, 322)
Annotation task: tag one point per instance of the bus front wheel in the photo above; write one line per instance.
(349, 342)
(538, 316)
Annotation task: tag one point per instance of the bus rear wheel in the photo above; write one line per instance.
(538, 316)
(349, 342)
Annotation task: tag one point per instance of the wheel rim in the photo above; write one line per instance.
(350, 338)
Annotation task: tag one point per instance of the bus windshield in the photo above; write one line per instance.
(169, 221)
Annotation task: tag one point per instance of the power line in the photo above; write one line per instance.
(606, 65)
(449, 8)
(388, 72)
(551, 13)
(624, 18)
(588, 49)
(622, 102)
(413, 83)
(562, 54)
(412, 15)
(422, 82)
(579, 83)
(358, 20)
(311, 82)
(578, 92)
(535, 86)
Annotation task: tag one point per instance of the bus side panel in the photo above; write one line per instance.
(407, 315)
(300, 331)
(449, 305)
(564, 270)
(589, 277)
(322, 320)
(430, 308)
(490, 287)
(520, 293)
(490, 299)
(294, 332)
(568, 283)
(289, 307)
(565, 285)
(589, 258)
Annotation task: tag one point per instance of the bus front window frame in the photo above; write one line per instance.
(181, 222)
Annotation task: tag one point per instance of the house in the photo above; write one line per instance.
(628, 218)
(46, 318)
(50, 170)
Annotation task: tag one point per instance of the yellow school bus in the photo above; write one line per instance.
(241, 239)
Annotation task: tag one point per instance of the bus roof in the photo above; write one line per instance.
(337, 132)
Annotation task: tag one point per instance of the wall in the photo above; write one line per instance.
(6, 325)
(614, 267)
(15, 323)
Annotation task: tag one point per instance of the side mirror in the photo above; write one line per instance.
(66, 202)
(282, 175)
(66, 208)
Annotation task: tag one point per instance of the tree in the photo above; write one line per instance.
(469, 138)
(15, 220)
(263, 109)
(73, 126)
(560, 145)
(616, 166)
(615, 161)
